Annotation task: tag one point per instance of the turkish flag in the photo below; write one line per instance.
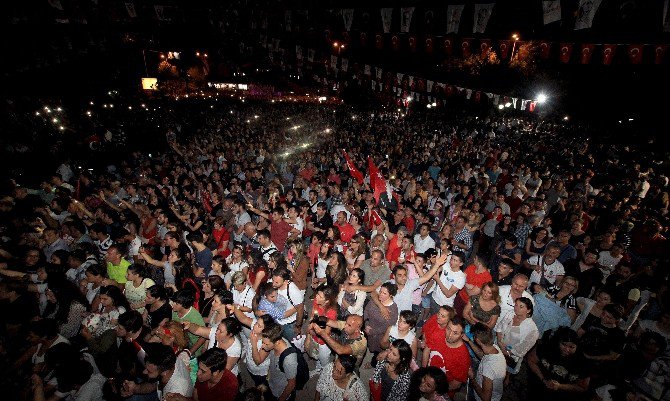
(450, 90)
(429, 45)
(421, 85)
(465, 46)
(635, 53)
(608, 53)
(355, 173)
(531, 106)
(364, 39)
(379, 41)
(545, 50)
(377, 181)
(485, 47)
(448, 46)
(395, 42)
(478, 96)
(504, 48)
(412, 43)
(587, 51)
(659, 53)
(566, 52)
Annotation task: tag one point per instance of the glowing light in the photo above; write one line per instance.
(37, 113)
(434, 104)
(508, 104)
(91, 103)
(55, 120)
(61, 128)
(144, 105)
(408, 99)
(305, 145)
(59, 109)
(197, 54)
(327, 130)
(566, 118)
(630, 119)
(88, 113)
(206, 55)
(130, 107)
(335, 44)
(429, 106)
(515, 36)
(501, 106)
(255, 116)
(541, 98)
(111, 105)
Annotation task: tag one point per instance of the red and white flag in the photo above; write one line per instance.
(635, 53)
(587, 51)
(504, 48)
(377, 181)
(659, 53)
(566, 52)
(608, 54)
(355, 173)
(545, 49)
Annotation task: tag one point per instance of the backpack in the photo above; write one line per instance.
(302, 375)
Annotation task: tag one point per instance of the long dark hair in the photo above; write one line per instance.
(440, 378)
(117, 296)
(405, 353)
(65, 293)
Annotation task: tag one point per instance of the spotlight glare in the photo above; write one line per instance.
(541, 98)
(61, 128)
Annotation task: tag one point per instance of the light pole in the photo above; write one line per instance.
(339, 47)
(515, 37)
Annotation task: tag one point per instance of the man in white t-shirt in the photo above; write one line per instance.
(281, 280)
(172, 374)
(547, 270)
(510, 293)
(422, 240)
(407, 286)
(488, 382)
(448, 282)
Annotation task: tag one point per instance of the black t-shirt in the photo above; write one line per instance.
(157, 316)
(588, 279)
(600, 340)
(19, 312)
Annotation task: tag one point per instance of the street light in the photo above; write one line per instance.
(516, 38)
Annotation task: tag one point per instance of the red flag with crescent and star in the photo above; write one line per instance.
(353, 171)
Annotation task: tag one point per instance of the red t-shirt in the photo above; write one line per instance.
(331, 314)
(455, 362)
(393, 250)
(279, 231)
(433, 333)
(224, 390)
(347, 231)
(478, 280)
(220, 236)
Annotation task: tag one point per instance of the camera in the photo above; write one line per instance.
(320, 321)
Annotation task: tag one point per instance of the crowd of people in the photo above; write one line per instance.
(246, 261)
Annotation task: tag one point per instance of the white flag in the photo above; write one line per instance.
(410, 80)
(666, 16)
(387, 17)
(489, 95)
(374, 85)
(551, 11)
(482, 15)
(454, 13)
(406, 18)
(429, 86)
(524, 104)
(400, 75)
(287, 20)
(333, 62)
(56, 4)
(310, 55)
(367, 70)
(160, 13)
(585, 12)
(514, 101)
(496, 100)
(348, 17)
(130, 8)
(345, 64)
(468, 93)
(379, 72)
(298, 52)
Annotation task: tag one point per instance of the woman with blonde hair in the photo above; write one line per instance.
(298, 263)
(485, 307)
(355, 254)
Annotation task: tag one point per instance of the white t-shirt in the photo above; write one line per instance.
(257, 370)
(421, 245)
(550, 271)
(295, 297)
(404, 298)
(299, 225)
(234, 351)
(494, 367)
(179, 383)
(244, 298)
(395, 335)
(321, 266)
(91, 390)
(448, 277)
(506, 301)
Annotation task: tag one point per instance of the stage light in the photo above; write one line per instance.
(566, 118)
(630, 119)
(327, 130)
(434, 104)
(500, 106)
(429, 105)
(37, 113)
(541, 98)
(55, 120)
(61, 128)
(59, 109)
(91, 103)
(335, 44)
(197, 54)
